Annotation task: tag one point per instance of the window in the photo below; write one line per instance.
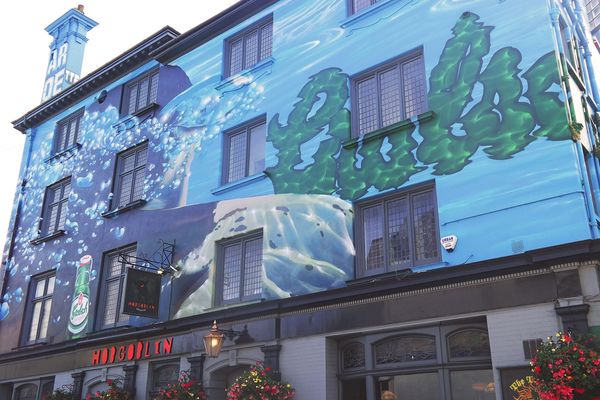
(67, 132)
(355, 6)
(54, 212)
(26, 392)
(29, 390)
(593, 13)
(163, 375)
(244, 150)
(249, 47)
(398, 231)
(130, 174)
(388, 94)
(114, 272)
(240, 268)
(40, 304)
(140, 93)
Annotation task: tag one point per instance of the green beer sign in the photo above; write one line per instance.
(80, 304)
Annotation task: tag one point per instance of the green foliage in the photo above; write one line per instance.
(63, 393)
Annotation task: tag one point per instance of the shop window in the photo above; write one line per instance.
(469, 343)
(355, 6)
(26, 392)
(354, 389)
(249, 47)
(140, 93)
(129, 177)
(422, 386)
(67, 132)
(113, 287)
(388, 93)
(473, 385)
(41, 290)
(353, 356)
(397, 231)
(244, 151)
(406, 349)
(54, 214)
(240, 268)
(163, 375)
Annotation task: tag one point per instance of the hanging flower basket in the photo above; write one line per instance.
(114, 392)
(567, 368)
(185, 389)
(258, 384)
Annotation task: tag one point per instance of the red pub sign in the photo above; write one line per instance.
(132, 351)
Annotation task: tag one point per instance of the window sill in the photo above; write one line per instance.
(120, 210)
(68, 151)
(388, 130)
(31, 345)
(245, 77)
(239, 183)
(362, 14)
(48, 237)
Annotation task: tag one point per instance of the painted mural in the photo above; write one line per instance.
(496, 109)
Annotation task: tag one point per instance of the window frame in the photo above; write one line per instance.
(376, 71)
(220, 278)
(65, 122)
(102, 292)
(32, 300)
(43, 227)
(117, 181)
(245, 127)
(153, 389)
(151, 102)
(350, 7)
(409, 193)
(227, 45)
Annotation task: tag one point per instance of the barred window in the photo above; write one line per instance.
(54, 214)
(593, 13)
(42, 289)
(140, 93)
(240, 268)
(67, 132)
(355, 6)
(249, 47)
(130, 175)
(114, 272)
(398, 231)
(388, 94)
(244, 150)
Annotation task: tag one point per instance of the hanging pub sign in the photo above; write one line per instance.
(142, 293)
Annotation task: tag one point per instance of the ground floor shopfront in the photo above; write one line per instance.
(423, 336)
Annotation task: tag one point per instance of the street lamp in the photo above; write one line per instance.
(213, 341)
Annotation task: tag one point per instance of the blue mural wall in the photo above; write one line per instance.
(497, 146)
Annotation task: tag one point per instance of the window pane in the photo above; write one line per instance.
(62, 207)
(143, 96)
(112, 299)
(253, 268)
(425, 226)
(45, 318)
(415, 386)
(62, 138)
(126, 187)
(56, 194)
(405, 349)
(414, 87)
(35, 320)
(367, 105)
(46, 390)
(353, 356)
(469, 343)
(232, 260)
(133, 89)
(72, 132)
(473, 385)
(266, 41)
(258, 137)
(50, 289)
(235, 57)
(373, 232)
(39, 288)
(237, 157)
(354, 389)
(360, 4)
(128, 162)
(66, 190)
(165, 375)
(153, 88)
(138, 185)
(389, 84)
(251, 51)
(398, 232)
(141, 157)
(26, 392)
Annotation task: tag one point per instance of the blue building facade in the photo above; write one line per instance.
(391, 196)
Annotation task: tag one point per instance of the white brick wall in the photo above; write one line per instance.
(303, 365)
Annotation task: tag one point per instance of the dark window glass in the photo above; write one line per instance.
(141, 93)
(240, 266)
(67, 132)
(163, 375)
(115, 270)
(412, 386)
(354, 389)
(42, 289)
(388, 94)
(399, 231)
(405, 349)
(353, 356)
(473, 385)
(469, 343)
(131, 171)
(26, 392)
(249, 47)
(46, 389)
(54, 214)
(244, 152)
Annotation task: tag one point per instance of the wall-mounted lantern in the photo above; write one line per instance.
(213, 341)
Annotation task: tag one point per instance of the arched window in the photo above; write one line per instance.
(165, 375)
(26, 392)
(353, 356)
(408, 348)
(469, 343)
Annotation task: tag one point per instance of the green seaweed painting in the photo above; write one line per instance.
(502, 123)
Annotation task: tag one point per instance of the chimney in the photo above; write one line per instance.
(66, 50)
